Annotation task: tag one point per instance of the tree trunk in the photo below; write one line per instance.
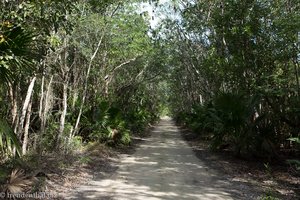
(14, 104)
(26, 129)
(75, 130)
(42, 98)
(63, 114)
(44, 108)
(65, 76)
(25, 106)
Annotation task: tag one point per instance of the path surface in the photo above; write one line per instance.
(162, 168)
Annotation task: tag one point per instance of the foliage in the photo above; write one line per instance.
(15, 50)
(232, 119)
(76, 143)
(296, 140)
(79, 51)
(228, 69)
(235, 73)
(17, 182)
(269, 197)
(107, 125)
(9, 142)
(295, 162)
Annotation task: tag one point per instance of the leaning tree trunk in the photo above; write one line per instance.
(75, 130)
(26, 129)
(25, 107)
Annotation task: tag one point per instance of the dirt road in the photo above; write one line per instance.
(162, 168)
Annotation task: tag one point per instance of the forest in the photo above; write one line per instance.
(77, 72)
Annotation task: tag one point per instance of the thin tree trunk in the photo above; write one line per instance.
(46, 104)
(75, 97)
(40, 112)
(26, 129)
(109, 77)
(63, 114)
(74, 131)
(42, 98)
(14, 104)
(297, 77)
(65, 75)
(14, 111)
(43, 116)
(25, 106)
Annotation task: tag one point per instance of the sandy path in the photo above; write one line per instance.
(165, 168)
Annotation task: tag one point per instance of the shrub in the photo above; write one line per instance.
(295, 162)
(8, 140)
(233, 118)
(105, 122)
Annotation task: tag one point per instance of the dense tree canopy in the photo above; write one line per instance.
(236, 71)
(75, 70)
(80, 71)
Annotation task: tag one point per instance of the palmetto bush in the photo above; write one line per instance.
(15, 57)
(9, 143)
(230, 115)
(16, 51)
(16, 182)
(232, 119)
(139, 118)
(108, 125)
(295, 162)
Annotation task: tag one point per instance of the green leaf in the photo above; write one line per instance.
(297, 140)
(8, 139)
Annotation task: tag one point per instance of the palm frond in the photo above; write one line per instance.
(17, 182)
(15, 51)
(8, 140)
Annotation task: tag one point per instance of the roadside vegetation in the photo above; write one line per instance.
(73, 74)
(235, 78)
(235, 75)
